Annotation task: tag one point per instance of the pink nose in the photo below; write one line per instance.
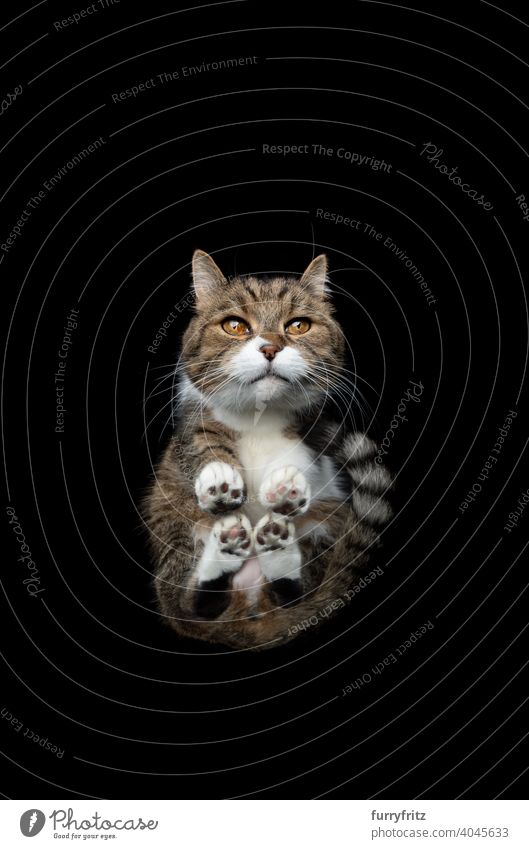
(270, 351)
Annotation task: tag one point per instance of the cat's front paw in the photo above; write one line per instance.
(233, 535)
(219, 487)
(286, 491)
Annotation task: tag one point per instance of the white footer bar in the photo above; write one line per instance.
(266, 824)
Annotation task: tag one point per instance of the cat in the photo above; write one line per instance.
(262, 512)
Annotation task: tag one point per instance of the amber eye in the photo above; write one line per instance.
(298, 326)
(236, 326)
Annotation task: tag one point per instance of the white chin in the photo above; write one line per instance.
(270, 386)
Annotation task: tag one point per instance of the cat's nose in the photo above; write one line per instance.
(270, 351)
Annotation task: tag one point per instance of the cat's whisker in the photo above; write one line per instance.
(298, 383)
(161, 392)
(346, 401)
(170, 404)
(338, 369)
(216, 389)
(344, 388)
(343, 380)
(170, 376)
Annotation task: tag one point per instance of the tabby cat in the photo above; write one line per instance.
(262, 512)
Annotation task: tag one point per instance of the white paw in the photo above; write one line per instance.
(286, 491)
(273, 532)
(277, 550)
(233, 535)
(219, 487)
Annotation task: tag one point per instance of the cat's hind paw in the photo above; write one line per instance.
(273, 532)
(279, 559)
(226, 550)
(286, 491)
(219, 487)
(233, 535)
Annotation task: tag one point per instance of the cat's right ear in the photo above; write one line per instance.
(207, 276)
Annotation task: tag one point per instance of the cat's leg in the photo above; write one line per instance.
(285, 490)
(280, 558)
(219, 488)
(225, 550)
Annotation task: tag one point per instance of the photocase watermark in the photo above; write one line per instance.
(390, 660)
(79, 157)
(82, 14)
(44, 742)
(433, 155)
(65, 819)
(489, 463)
(516, 514)
(367, 229)
(338, 218)
(48, 185)
(403, 257)
(59, 375)
(264, 392)
(413, 393)
(32, 822)
(161, 333)
(352, 157)
(32, 582)
(187, 470)
(523, 206)
(9, 98)
(32, 204)
(184, 72)
(337, 603)
(66, 824)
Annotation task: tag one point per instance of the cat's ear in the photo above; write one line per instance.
(315, 276)
(207, 276)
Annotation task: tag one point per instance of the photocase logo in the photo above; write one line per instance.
(31, 822)
(263, 395)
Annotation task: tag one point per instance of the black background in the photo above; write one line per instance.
(89, 665)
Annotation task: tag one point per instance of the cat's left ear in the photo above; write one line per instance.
(207, 276)
(315, 277)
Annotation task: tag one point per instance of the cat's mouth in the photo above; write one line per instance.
(270, 375)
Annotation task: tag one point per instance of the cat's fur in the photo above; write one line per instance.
(262, 512)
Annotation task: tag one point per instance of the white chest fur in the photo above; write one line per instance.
(262, 447)
(261, 452)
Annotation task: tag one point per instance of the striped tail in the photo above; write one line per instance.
(370, 480)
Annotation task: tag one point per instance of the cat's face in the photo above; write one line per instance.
(261, 342)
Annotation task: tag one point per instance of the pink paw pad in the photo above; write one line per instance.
(219, 488)
(286, 491)
(234, 534)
